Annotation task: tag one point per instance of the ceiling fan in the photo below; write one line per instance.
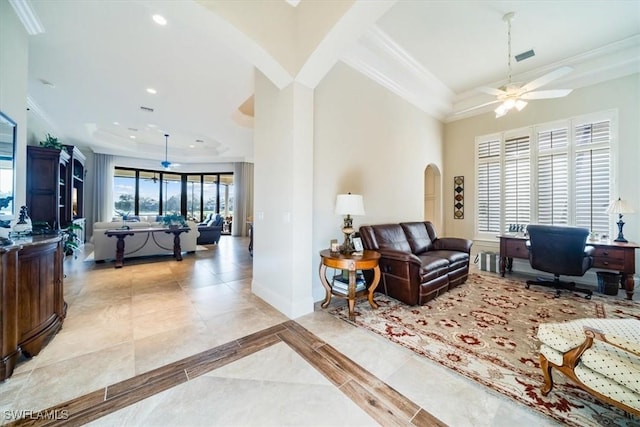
(514, 95)
(166, 164)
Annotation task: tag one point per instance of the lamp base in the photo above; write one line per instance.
(620, 237)
(347, 247)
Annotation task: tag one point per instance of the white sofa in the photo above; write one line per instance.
(140, 244)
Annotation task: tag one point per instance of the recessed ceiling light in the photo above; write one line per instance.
(159, 19)
(152, 90)
(191, 146)
(151, 125)
(116, 123)
(132, 136)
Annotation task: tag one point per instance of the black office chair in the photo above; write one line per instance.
(559, 250)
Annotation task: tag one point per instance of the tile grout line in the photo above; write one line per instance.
(298, 338)
(137, 393)
(386, 416)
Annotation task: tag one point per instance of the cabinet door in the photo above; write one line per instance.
(38, 293)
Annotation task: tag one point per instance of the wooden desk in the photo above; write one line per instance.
(609, 255)
(121, 233)
(367, 261)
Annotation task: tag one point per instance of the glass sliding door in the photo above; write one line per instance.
(171, 193)
(148, 193)
(124, 192)
(210, 195)
(194, 197)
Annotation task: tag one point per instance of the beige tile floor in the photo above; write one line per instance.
(152, 312)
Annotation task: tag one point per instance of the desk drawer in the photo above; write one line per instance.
(609, 253)
(516, 248)
(611, 264)
(610, 258)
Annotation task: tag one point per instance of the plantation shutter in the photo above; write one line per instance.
(517, 181)
(553, 177)
(592, 175)
(488, 180)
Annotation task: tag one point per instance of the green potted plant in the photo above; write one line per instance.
(70, 239)
(51, 142)
(174, 220)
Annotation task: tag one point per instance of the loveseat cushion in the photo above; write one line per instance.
(391, 236)
(432, 267)
(418, 236)
(454, 259)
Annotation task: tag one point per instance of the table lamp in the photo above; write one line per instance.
(619, 207)
(348, 204)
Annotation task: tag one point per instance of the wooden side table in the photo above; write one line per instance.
(367, 261)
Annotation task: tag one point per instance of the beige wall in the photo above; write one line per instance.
(367, 141)
(622, 95)
(14, 54)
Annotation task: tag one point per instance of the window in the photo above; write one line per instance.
(488, 191)
(558, 173)
(517, 180)
(149, 193)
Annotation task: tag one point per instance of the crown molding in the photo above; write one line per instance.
(381, 59)
(35, 109)
(27, 16)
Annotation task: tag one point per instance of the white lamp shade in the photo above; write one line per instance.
(619, 207)
(349, 204)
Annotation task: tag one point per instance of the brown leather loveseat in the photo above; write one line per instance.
(416, 265)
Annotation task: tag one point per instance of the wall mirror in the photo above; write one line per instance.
(7, 167)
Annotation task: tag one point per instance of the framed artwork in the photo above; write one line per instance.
(458, 197)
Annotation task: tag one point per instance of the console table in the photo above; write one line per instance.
(367, 261)
(608, 255)
(122, 233)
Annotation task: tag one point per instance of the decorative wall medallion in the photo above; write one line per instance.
(458, 197)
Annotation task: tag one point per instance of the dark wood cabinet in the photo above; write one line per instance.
(46, 184)
(55, 186)
(32, 305)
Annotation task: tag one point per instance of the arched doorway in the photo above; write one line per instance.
(433, 196)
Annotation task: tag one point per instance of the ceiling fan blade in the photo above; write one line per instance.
(491, 91)
(476, 107)
(545, 94)
(543, 80)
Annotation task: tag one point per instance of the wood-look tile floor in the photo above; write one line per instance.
(161, 342)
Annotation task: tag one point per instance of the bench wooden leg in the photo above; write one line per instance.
(546, 371)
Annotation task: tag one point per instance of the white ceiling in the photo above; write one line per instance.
(101, 57)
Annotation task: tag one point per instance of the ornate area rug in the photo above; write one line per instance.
(486, 330)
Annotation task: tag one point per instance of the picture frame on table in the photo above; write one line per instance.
(357, 244)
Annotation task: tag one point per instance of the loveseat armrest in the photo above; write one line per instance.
(401, 256)
(453, 244)
(589, 250)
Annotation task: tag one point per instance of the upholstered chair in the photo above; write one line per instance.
(559, 250)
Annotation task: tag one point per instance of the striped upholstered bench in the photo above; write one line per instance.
(602, 356)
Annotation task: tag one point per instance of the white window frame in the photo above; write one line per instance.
(532, 131)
